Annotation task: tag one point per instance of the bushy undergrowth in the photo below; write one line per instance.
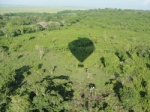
(39, 73)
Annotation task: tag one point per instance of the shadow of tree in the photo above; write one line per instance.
(5, 48)
(61, 84)
(31, 38)
(117, 86)
(18, 79)
(40, 66)
(52, 94)
(148, 65)
(103, 61)
(19, 73)
(9, 89)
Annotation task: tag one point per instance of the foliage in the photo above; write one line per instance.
(115, 77)
(1, 33)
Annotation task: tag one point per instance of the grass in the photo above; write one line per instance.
(36, 9)
(119, 57)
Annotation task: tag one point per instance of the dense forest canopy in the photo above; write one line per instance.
(40, 73)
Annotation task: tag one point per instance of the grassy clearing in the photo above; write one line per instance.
(36, 9)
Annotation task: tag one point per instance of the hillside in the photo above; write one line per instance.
(109, 70)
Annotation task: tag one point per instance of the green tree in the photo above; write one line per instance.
(52, 95)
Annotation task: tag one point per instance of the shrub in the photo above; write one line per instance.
(1, 33)
(129, 97)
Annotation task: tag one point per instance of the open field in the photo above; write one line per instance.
(36, 9)
(75, 61)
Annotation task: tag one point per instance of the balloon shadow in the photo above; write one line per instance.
(81, 48)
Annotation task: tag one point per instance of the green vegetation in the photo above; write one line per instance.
(41, 72)
(19, 9)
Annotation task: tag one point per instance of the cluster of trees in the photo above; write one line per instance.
(14, 24)
(34, 85)
(47, 94)
(131, 77)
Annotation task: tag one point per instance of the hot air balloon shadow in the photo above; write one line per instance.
(81, 48)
